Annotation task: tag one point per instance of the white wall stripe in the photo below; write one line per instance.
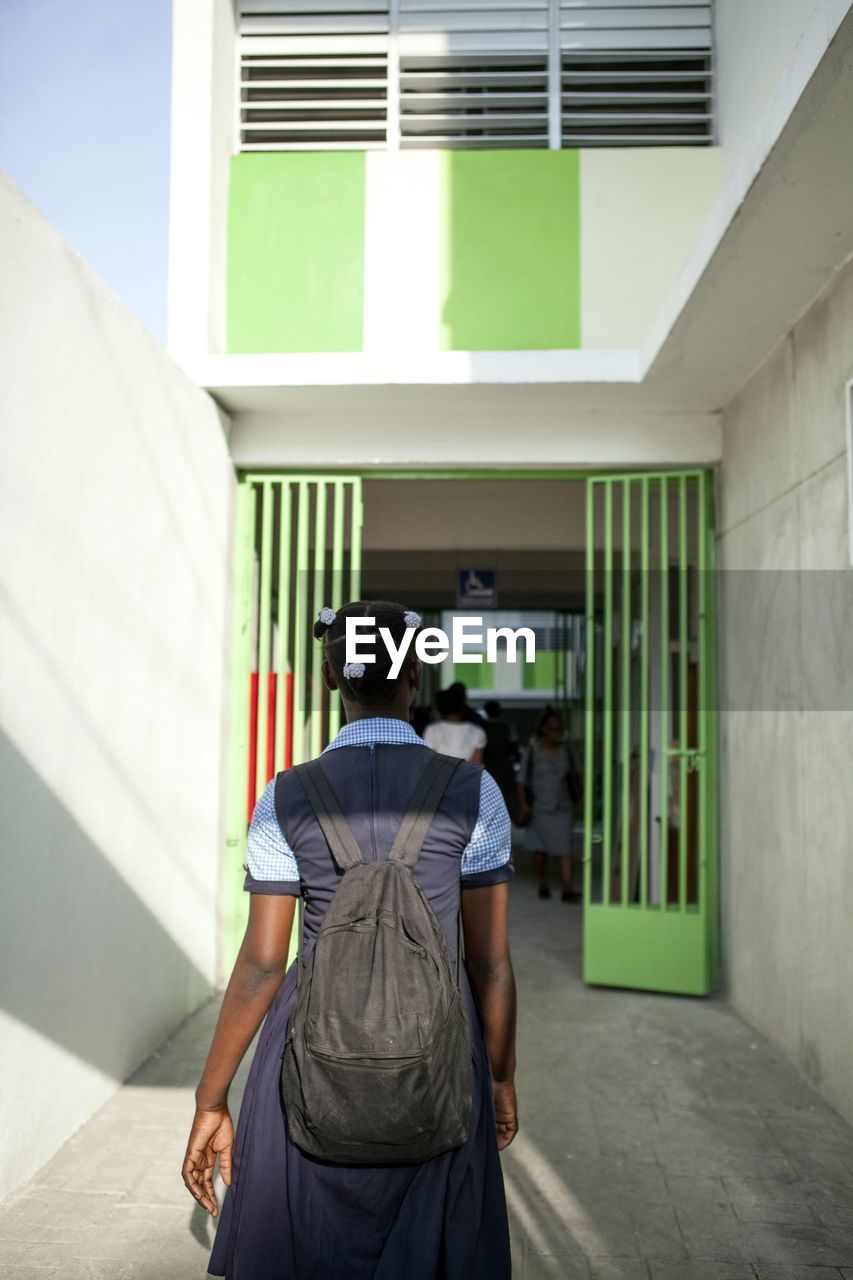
(402, 263)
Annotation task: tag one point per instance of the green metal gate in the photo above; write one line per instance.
(297, 548)
(650, 805)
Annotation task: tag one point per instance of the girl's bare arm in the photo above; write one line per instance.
(258, 971)
(487, 959)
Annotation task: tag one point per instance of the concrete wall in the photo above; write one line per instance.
(204, 122)
(787, 684)
(115, 501)
(759, 44)
(452, 426)
(450, 515)
(642, 209)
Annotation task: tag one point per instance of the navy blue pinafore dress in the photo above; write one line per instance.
(289, 1216)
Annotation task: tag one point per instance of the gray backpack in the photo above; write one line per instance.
(376, 1067)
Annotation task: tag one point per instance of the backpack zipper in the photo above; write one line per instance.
(371, 746)
(358, 1059)
(371, 926)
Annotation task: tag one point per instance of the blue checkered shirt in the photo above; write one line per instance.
(270, 857)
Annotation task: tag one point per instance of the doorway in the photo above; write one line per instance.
(615, 574)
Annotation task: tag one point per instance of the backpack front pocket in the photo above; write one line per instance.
(355, 1101)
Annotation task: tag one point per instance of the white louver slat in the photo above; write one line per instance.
(474, 73)
(313, 76)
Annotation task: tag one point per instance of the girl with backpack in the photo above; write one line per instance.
(382, 1087)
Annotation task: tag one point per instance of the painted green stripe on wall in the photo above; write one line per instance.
(510, 250)
(296, 251)
(541, 674)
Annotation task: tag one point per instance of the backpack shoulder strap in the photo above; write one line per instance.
(422, 806)
(339, 837)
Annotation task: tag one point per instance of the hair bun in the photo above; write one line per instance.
(325, 618)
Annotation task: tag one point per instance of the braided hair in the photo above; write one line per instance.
(367, 683)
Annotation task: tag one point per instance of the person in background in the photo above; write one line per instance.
(544, 770)
(451, 734)
(500, 754)
(468, 714)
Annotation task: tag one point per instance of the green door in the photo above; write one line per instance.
(297, 548)
(650, 805)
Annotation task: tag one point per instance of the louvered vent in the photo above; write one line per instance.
(636, 74)
(313, 76)
(473, 73)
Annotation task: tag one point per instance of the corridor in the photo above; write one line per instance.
(661, 1139)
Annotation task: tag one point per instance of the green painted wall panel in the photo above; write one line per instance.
(650, 950)
(541, 674)
(296, 251)
(511, 250)
(475, 675)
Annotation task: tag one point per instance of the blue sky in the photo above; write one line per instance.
(84, 131)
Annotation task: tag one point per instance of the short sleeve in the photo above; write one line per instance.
(271, 864)
(486, 859)
(480, 737)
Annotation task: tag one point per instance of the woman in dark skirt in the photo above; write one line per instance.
(290, 1216)
(545, 767)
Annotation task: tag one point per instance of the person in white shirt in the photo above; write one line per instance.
(452, 734)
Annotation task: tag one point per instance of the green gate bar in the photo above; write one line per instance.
(589, 678)
(315, 714)
(665, 665)
(683, 744)
(283, 703)
(709, 732)
(656, 932)
(356, 521)
(264, 637)
(607, 786)
(625, 854)
(337, 582)
(645, 710)
(301, 640)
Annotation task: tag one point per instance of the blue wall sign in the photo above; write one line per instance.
(477, 589)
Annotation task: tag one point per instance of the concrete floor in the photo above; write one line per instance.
(661, 1139)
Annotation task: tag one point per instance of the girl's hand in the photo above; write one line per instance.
(506, 1112)
(212, 1135)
